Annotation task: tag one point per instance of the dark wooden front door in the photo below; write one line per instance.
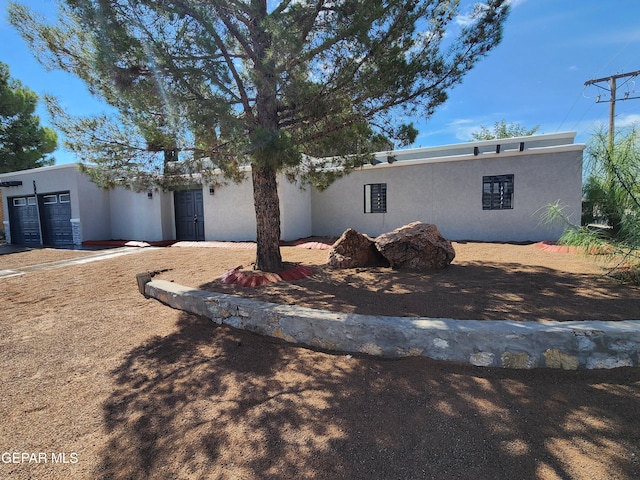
(189, 215)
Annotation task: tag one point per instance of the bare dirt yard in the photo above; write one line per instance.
(98, 382)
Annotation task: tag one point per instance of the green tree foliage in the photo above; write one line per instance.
(24, 143)
(611, 203)
(612, 188)
(224, 84)
(503, 130)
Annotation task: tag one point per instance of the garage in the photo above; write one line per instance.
(50, 217)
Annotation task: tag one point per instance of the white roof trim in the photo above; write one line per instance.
(39, 170)
(479, 157)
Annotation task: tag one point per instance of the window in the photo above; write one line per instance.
(19, 202)
(375, 198)
(497, 192)
(31, 200)
(65, 198)
(50, 199)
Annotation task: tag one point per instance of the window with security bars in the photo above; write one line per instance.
(375, 198)
(497, 192)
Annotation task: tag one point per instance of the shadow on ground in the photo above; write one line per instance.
(472, 291)
(212, 402)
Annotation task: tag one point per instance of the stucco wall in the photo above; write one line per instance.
(295, 210)
(230, 214)
(93, 207)
(134, 216)
(168, 216)
(448, 193)
(1, 215)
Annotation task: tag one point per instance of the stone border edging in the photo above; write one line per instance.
(503, 343)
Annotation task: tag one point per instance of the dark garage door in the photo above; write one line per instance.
(189, 215)
(23, 220)
(55, 220)
(55, 211)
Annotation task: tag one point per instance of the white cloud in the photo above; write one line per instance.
(461, 121)
(462, 128)
(452, 132)
(628, 120)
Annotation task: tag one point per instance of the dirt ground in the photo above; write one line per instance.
(99, 382)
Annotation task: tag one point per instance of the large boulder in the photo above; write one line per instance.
(416, 246)
(354, 249)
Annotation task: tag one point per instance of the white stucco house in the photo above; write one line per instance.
(494, 190)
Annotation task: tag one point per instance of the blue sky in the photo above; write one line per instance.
(536, 76)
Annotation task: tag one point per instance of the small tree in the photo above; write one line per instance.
(24, 143)
(612, 188)
(255, 82)
(503, 130)
(611, 198)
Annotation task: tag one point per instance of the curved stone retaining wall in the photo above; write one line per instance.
(566, 345)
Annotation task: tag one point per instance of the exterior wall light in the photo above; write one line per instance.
(149, 194)
(212, 190)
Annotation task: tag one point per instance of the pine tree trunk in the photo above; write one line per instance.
(267, 206)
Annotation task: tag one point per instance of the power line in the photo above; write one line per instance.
(570, 110)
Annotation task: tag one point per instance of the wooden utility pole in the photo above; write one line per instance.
(612, 98)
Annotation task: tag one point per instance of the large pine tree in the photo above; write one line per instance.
(24, 143)
(259, 82)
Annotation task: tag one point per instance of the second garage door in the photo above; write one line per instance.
(55, 210)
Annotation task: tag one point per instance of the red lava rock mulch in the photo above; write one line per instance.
(555, 248)
(243, 278)
(216, 244)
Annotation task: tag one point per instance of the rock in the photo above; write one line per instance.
(416, 246)
(607, 361)
(481, 359)
(518, 360)
(555, 358)
(354, 249)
